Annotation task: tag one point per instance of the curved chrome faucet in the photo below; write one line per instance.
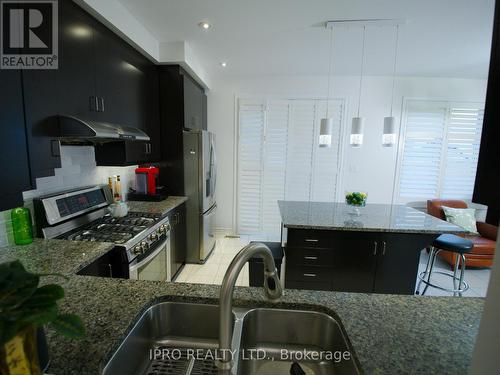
(272, 288)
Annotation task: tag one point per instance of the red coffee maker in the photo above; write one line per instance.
(146, 180)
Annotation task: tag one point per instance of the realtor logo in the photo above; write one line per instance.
(29, 38)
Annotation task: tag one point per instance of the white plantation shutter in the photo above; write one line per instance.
(279, 158)
(274, 166)
(251, 134)
(300, 149)
(440, 150)
(423, 143)
(462, 150)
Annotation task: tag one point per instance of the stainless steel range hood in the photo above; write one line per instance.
(73, 129)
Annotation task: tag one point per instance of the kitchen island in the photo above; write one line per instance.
(389, 334)
(329, 246)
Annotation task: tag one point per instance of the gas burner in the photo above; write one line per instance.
(116, 230)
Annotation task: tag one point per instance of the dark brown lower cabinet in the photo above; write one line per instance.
(178, 245)
(363, 262)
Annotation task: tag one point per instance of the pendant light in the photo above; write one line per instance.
(389, 136)
(326, 124)
(357, 127)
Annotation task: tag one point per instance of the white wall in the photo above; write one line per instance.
(369, 168)
(78, 169)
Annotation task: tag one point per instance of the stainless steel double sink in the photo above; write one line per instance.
(174, 338)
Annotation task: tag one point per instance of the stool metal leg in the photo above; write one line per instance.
(426, 270)
(462, 271)
(455, 272)
(432, 258)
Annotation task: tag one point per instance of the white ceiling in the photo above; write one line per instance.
(443, 38)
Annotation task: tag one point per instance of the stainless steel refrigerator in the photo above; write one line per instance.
(200, 178)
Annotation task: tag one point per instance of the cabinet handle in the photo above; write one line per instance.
(311, 240)
(110, 270)
(94, 104)
(55, 149)
(375, 245)
(310, 258)
(309, 274)
(102, 104)
(383, 247)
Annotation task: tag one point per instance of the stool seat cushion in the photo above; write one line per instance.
(453, 243)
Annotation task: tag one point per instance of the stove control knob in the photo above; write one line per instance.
(137, 249)
(168, 227)
(153, 237)
(162, 229)
(144, 246)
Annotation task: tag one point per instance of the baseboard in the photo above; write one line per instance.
(225, 232)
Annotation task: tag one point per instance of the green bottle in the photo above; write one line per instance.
(21, 225)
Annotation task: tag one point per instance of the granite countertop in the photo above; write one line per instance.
(372, 218)
(389, 333)
(162, 207)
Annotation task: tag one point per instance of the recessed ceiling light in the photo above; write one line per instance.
(223, 64)
(204, 25)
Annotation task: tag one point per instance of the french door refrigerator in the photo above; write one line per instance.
(200, 177)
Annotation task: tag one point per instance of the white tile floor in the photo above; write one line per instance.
(212, 272)
(477, 278)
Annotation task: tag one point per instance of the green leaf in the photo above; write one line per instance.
(45, 295)
(17, 286)
(38, 315)
(69, 325)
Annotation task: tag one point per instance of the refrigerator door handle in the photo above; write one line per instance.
(213, 167)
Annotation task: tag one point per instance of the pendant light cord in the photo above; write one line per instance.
(329, 70)
(362, 67)
(394, 68)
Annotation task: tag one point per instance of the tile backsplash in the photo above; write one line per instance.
(78, 169)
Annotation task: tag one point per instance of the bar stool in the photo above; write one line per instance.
(457, 245)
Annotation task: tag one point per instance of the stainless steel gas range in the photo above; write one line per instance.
(142, 239)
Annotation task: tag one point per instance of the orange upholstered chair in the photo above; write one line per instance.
(484, 244)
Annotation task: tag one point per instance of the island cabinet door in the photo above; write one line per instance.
(354, 263)
(398, 258)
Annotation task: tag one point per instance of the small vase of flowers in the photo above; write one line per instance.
(356, 199)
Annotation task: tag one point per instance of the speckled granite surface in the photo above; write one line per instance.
(163, 207)
(390, 334)
(372, 218)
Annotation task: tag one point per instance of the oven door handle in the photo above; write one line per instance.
(146, 260)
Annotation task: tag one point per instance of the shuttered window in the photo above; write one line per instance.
(279, 158)
(440, 150)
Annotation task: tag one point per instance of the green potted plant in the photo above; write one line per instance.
(25, 307)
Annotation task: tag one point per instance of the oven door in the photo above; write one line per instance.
(155, 266)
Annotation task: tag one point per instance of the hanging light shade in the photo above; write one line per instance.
(358, 124)
(325, 132)
(389, 135)
(356, 139)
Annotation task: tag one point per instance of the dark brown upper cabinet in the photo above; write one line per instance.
(14, 173)
(101, 78)
(67, 90)
(127, 88)
(182, 99)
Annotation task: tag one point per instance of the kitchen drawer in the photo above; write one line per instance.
(309, 238)
(308, 274)
(309, 256)
(292, 284)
